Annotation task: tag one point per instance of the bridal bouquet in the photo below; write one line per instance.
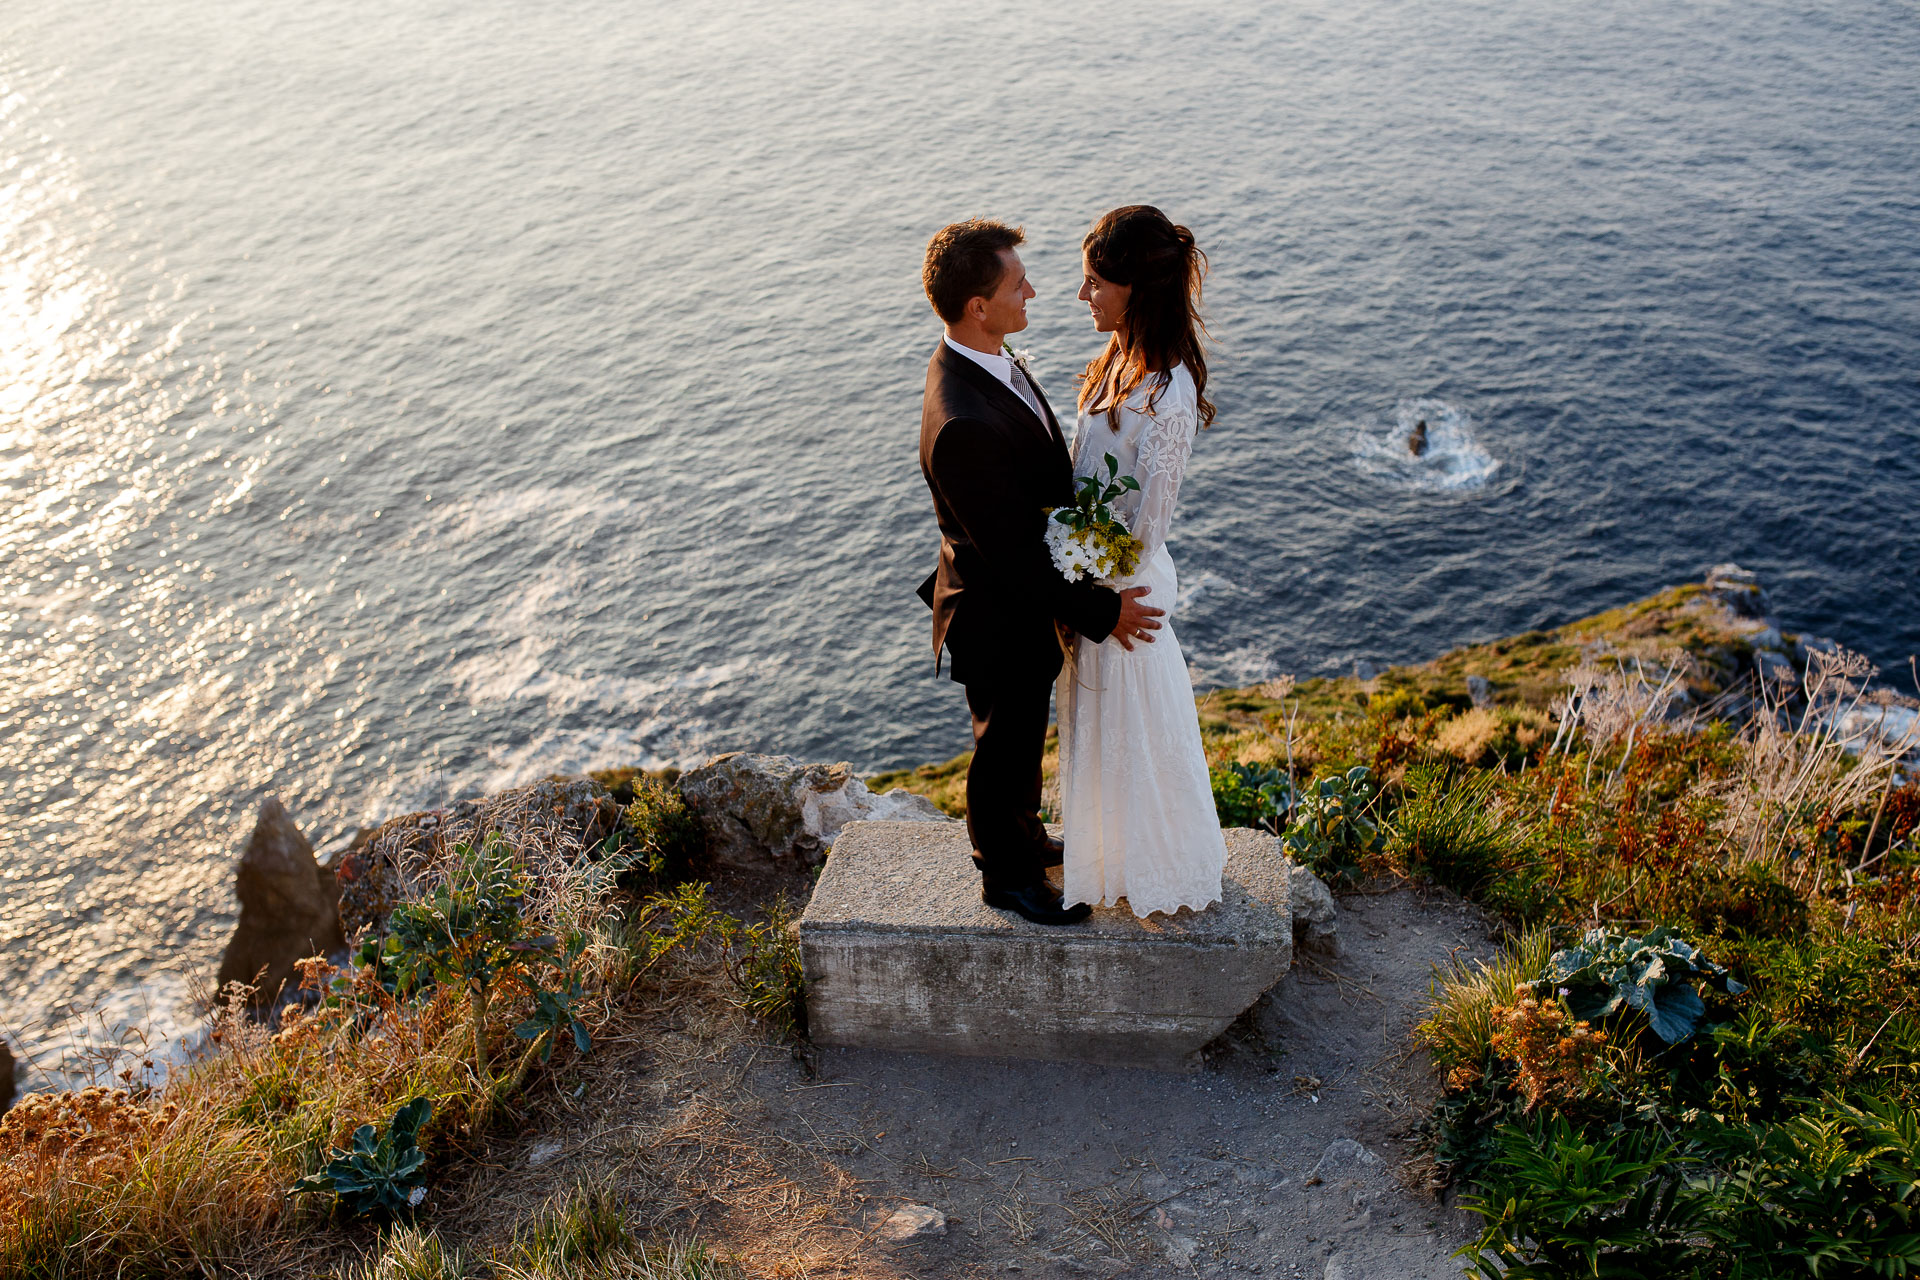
(1087, 538)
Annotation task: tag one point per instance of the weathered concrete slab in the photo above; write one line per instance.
(900, 953)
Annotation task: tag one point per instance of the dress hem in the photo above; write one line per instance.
(1195, 907)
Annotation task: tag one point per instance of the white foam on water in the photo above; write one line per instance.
(1453, 461)
(1204, 583)
(1234, 668)
(460, 521)
(653, 744)
(517, 672)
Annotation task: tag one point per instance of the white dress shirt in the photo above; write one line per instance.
(1001, 367)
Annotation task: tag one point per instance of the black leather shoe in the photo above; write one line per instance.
(1051, 854)
(1040, 903)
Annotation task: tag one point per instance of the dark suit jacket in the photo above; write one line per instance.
(993, 469)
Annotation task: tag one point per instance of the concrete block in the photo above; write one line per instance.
(900, 953)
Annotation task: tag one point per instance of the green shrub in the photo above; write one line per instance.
(1560, 1203)
(764, 966)
(761, 961)
(1403, 703)
(1246, 795)
(1847, 1000)
(1750, 900)
(1610, 971)
(470, 934)
(661, 835)
(1454, 835)
(1331, 830)
(680, 921)
(1457, 1026)
(1457, 1029)
(1831, 1192)
(379, 1173)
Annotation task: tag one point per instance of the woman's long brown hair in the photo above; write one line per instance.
(1140, 247)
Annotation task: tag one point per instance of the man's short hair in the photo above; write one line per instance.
(963, 261)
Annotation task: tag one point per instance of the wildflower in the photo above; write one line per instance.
(1554, 1053)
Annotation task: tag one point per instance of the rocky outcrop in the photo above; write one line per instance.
(1739, 590)
(764, 813)
(567, 817)
(1316, 920)
(1761, 665)
(288, 906)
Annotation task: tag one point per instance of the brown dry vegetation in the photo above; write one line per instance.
(656, 1120)
(664, 1111)
(196, 1178)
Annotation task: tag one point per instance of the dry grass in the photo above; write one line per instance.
(205, 1179)
(1458, 1024)
(1798, 770)
(667, 1112)
(198, 1175)
(1469, 735)
(150, 1192)
(1109, 1217)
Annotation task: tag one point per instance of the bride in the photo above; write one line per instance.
(1135, 798)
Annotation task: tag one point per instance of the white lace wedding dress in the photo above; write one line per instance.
(1135, 800)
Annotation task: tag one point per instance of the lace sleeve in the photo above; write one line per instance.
(1165, 446)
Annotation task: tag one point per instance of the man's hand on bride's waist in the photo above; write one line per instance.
(1136, 619)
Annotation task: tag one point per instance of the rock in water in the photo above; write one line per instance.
(289, 907)
(764, 812)
(1417, 442)
(6, 1076)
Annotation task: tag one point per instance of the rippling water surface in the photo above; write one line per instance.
(399, 401)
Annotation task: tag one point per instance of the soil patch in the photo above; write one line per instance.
(1289, 1154)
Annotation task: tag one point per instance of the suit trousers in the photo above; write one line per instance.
(1003, 782)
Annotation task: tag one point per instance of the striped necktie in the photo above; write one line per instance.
(1025, 390)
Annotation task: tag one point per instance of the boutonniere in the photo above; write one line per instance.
(1021, 358)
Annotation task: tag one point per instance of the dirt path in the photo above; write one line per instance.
(1286, 1156)
(1279, 1158)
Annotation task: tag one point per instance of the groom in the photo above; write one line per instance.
(994, 460)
